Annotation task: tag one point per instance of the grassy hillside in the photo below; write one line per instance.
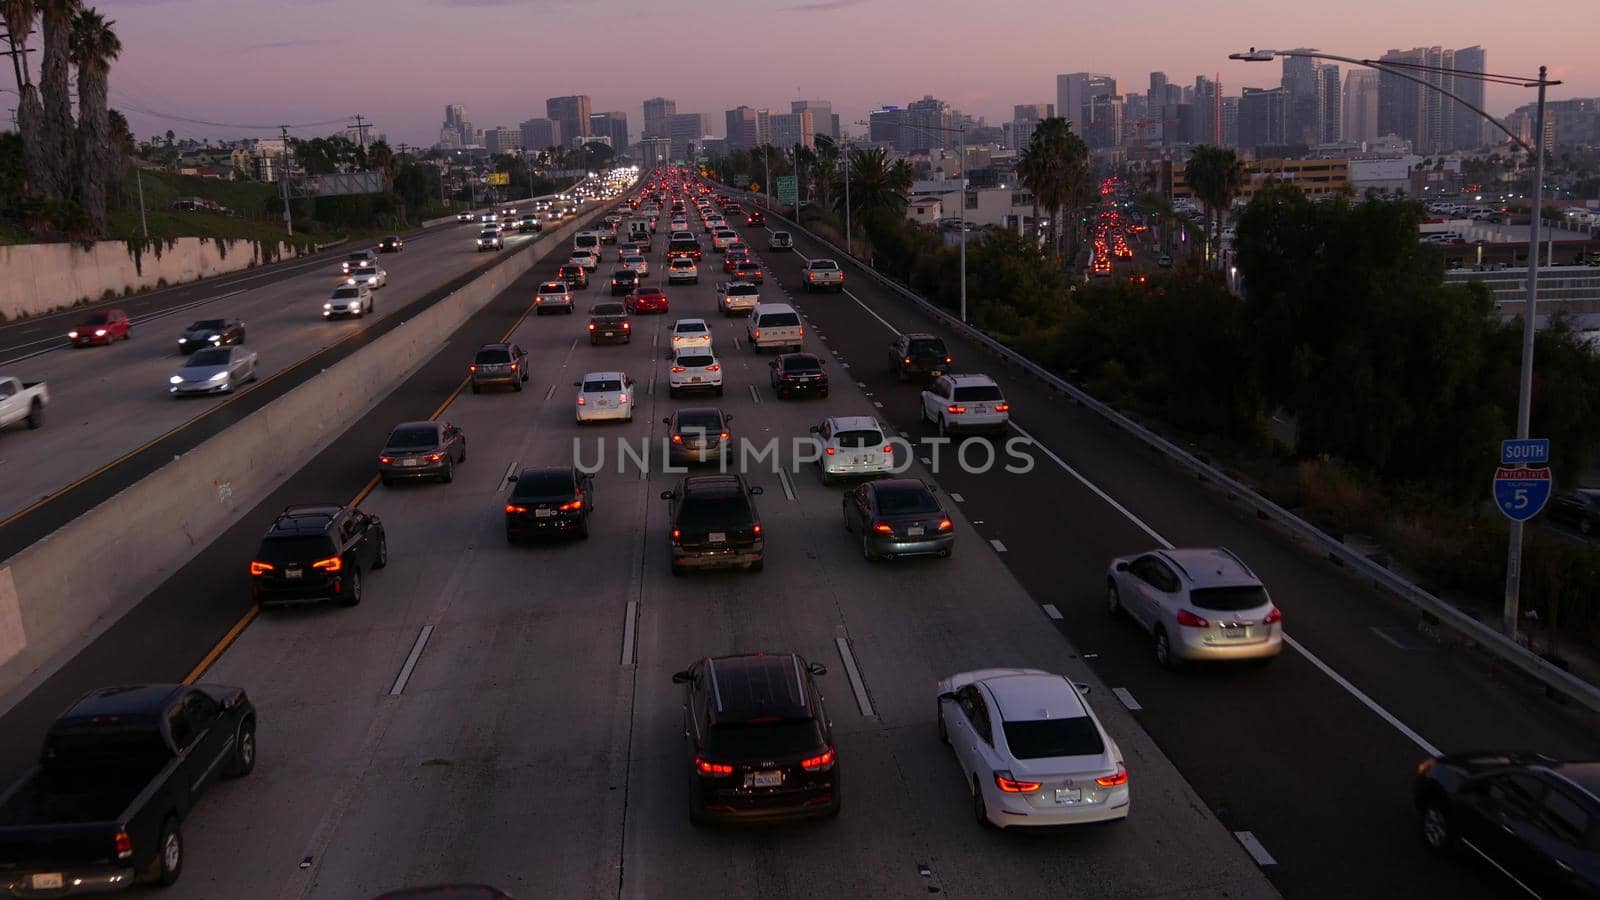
(248, 199)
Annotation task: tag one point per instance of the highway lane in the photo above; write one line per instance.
(1286, 752)
(534, 747)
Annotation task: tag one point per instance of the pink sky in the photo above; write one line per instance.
(398, 62)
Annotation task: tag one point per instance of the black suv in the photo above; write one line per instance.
(798, 373)
(317, 552)
(577, 276)
(549, 500)
(714, 524)
(918, 355)
(623, 281)
(760, 743)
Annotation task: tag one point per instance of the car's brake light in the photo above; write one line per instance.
(677, 439)
(572, 505)
(676, 534)
(331, 564)
(626, 326)
(1012, 785)
(908, 360)
(435, 457)
(830, 451)
(1117, 779)
(713, 368)
(1273, 617)
(723, 435)
(883, 528)
(756, 529)
(947, 360)
(472, 368)
(757, 334)
(591, 326)
(678, 368)
(124, 844)
(1002, 407)
(955, 409)
(711, 769)
(581, 401)
(513, 508)
(261, 568)
(819, 763)
(1191, 620)
(946, 524)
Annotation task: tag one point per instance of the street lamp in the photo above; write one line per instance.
(962, 132)
(1525, 387)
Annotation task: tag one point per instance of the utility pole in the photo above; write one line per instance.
(361, 126)
(283, 181)
(144, 227)
(849, 245)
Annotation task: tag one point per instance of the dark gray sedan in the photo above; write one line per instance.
(422, 450)
(898, 517)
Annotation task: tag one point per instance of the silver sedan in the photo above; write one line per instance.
(214, 370)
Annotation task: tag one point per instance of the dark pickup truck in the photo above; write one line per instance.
(119, 773)
(609, 324)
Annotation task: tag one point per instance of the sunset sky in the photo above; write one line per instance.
(399, 62)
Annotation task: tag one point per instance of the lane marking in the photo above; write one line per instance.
(885, 322)
(227, 641)
(1051, 611)
(1093, 487)
(411, 661)
(958, 498)
(505, 479)
(859, 687)
(753, 395)
(1128, 701)
(550, 393)
(628, 619)
(1254, 848)
(878, 404)
(998, 547)
(788, 489)
(1366, 701)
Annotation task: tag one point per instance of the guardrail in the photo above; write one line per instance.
(1492, 641)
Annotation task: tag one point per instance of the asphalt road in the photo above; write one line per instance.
(536, 741)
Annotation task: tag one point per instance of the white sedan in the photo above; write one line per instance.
(637, 263)
(214, 370)
(1031, 750)
(373, 276)
(604, 395)
(694, 369)
(588, 259)
(690, 333)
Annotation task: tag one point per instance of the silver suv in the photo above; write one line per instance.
(1196, 604)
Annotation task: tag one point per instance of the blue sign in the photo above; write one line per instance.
(1520, 493)
(1525, 452)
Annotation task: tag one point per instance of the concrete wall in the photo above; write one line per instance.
(43, 277)
(51, 605)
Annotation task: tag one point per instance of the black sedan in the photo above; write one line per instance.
(549, 500)
(210, 333)
(623, 281)
(798, 373)
(422, 450)
(1579, 509)
(391, 244)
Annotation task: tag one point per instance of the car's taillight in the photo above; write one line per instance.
(572, 505)
(1273, 617)
(908, 360)
(1116, 779)
(622, 399)
(581, 401)
(591, 326)
(830, 451)
(261, 568)
(627, 326)
(723, 435)
(713, 368)
(756, 529)
(678, 368)
(124, 844)
(677, 439)
(676, 534)
(386, 459)
(1191, 620)
(513, 508)
(802, 330)
(1002, 407)
(955, 409)
(711, 769)
(947, 360)
(946, 524)
(1010, 785)
(472, 368)
(757, 334)
(883, 528)
(822, 762)
(435, 457)
(331, 564)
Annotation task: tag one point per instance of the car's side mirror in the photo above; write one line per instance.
(1122, 566)
(773, 364)
(816, 429)
(683, 677)
(1082, 688)
(667, 421)
(816, 668)
(667, 495)
(756, 490)
(577, 384)
(948, 695)
(511, 478)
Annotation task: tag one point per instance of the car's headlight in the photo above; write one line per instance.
(327, 306)
(72, 334)
(99, 332)
(176, 379)
(182, 341)
(218, 377)
(349, 281)
(216, 339)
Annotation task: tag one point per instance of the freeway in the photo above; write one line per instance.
(1312, 755)
(506, 714)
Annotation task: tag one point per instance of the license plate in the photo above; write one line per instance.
(410, 462)
(864, 460)
(980, 409)
(1069, 795)
(292, 573)
(915, 531)
(605, 403)
(695, 379)
(1234, 632)
(936, 372)
(766, 779)
(46, 880)
(717, 537)
(543, 513)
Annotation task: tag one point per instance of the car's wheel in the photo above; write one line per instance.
(1437, 832)
(1163, 650)
(1113, 601)
(980, 809)
(35, 414)
(944, 733)
(449, 472)
(517, 385)
(352, 588)
(244, 750)
(583, 528)
(382, 559)
(867, 552)
(758, 565)
(168, 863)
(677, 570)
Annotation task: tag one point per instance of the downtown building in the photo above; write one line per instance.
(1025, 118)
(884, 126)
(791, 129)
(501, 139)
(824, 120)
(572, 113)
(456, 132)
(1360, 107)
(741, 128)
(687, 131)
(658, 113)
(1431, 121)
(613, 125)
(538, 134)
(1075, 93)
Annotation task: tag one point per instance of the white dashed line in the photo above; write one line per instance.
(753, 394)
(1127, 699)
(958, 498)
(628, 624)
(998, 547)
(1051, 611)
(411, 661)
(783, 479)
(858, 686)
(1254, 848)
(510, 469)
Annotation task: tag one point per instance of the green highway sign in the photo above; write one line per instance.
(786, 189)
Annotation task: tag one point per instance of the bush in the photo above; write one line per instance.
(1336, 499)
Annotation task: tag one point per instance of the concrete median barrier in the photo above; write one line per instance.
(57, 596)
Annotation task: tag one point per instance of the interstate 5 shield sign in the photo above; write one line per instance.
(1521, 493)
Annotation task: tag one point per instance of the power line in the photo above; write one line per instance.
(124, 104)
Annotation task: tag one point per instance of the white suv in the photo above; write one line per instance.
(1196, 604)
(604, 395)
(955, 403)
(694, 369)
(852, 445)
(690, 333)
(682, 269)
(553, 295)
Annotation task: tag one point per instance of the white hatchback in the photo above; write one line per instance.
(637, 263)
(850, 446)
(694, 369)
(603, 396)
(690, 333)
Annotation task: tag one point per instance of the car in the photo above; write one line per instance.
(850, 446)
(1197, 605)
(499, 363)
(698, 434)
(823, 274)
(391, 244)
(574, 275)
(22, 401)
(751, 271)
(646, 300)
(489, 216)
(774, 326)
(732, 256)
(682, 269)
(625, 250)
(681, 245)
(489, 239)
(214, 370)
(1531, 817)
(898, 517)
(965, 403)
(638, 264)
(104, 326)
(737, 298)
(623, 281)
(549, 500)
(588, 260)
(714, 524)
(587, 240)
(529, 224)
(466, 216)
(1579, 509)
(759, 740)
(204, 333)
(608, 322)
(722, 237)
(371, 276)
(422, 450)
(348, 300)
(317, 552)
(690, 333)
(551, 297)
(1164, 261)
(797, 373)
(756, 219)
(604, 396)
(694, 368)
(1031, 750)
(918, 355)
(357, 260)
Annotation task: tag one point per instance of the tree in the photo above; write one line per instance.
(94, 46)
(1055, 168)
(825, 172)
(875, 184)
(18, 16)
(57, 134)
(1216, 176)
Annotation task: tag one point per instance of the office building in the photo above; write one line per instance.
(538, 134)
(791, 129)
(1158, 88)
(1359, 112)
(1316, 177)
(1433, 122)
(1207, 111)
(823, 118)
(457, 130)
(687, 130)
(1230, 121)
(501, 139)
(1263, 118)
(1331, 102)
(1302, 82)
(1105, 122)
(1469, 125)
(572, 113)
(1072, 98)
(884, 125)
(654, 152)
(927, 122)
(658, 113)
(763, 127)
(741, 122)
(1024, 119)
(613, 125)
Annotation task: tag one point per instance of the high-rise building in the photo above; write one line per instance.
(1469, 125)
(655, 152)
(789, 129)
(1330, 103)
(613, 125)
(687, 130)
(1024, 119)
(538, 134)
(1074, 93)
(823, 118)
(1360, 107)
(1207, 111)
(1230, 121)
(1303, 84)
(573, 114)
(1158, 88)
(927, 122)
(1400, 102)
(1263, 117)
(741, 122)
(884, 125)
(1105, 121)
(763, 127)
(658, 113)
(501, 139)
(458, 126)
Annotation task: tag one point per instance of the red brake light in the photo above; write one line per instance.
(830, 451)
(572, 505)
(713, 368)
(591, 326)
(627, 326)
(261, 568)
(820, 763)
(757, 334)
(723, 435)
(1002, 407)
(679, 369)
(677, 439)
(472, 368)
(1012, 786)
(756, 528)
(676, 534)
(946, 360)
(513, 508)
(883, 528)
(581, 401)
(955, 409)
(124, 845)
(802, 329)
(908, 360)
(945, 524)
(1114, 780)
(386, 459)
(331, 564)
(711, 769)
(1273, 617)
(435, 457)
(1191, 620)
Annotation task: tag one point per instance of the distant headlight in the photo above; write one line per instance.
(349, 281)
(182, 341)
(372, 279)
(73, 335)
(216, 339)
(176, 379)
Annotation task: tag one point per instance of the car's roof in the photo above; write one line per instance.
(602, 376)
(921, 336)
(308, 518)
(681, 321)
(698, 411)
(497, 345)
(758, 686)
(1211, 567)
(854, 423)
(558, 285)
(720, 484)
(543, 472)
(420, 424)
(139, 700)
(898, 484)
(1030, 696)
(970, 378)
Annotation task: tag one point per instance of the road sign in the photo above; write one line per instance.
(786, 189)
(500, 178)
(1525, 452)
(1521, 492)
(755, 187)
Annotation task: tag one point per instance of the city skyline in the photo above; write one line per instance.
(287, 77)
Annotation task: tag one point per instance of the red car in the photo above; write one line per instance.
(101, 327)
(646, 300)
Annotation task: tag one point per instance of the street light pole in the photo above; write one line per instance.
(849, 237)
(963, 173)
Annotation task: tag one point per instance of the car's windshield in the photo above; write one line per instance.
(208, 325)
(98, 319)
(346, 293)
(213, 356)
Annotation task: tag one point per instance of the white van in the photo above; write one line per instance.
(587, 240)
(775, 326)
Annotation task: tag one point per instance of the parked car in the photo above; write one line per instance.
(317, 552)
(852, 446)
(608, 322)
(918, 355)
(694, 368)
(22, 401)
(798, 373)
(898, 517)
(549, 500)
(698, 434)
(604, 396)
(760, 743)
(120, 771)
(1197, 605)
(348, 300)
(553, 296)
(1579, 509)
(210, 333)
(104, 326)
(965, 403)
(214, 370)
(422, 450)
(1031, 751)
(714, 523)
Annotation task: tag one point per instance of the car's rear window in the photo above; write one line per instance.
(601, 384)
(553, 287)
(926, 348)
(824, 264)
(704, 513)
(696, 362)
(779, 320)
(905, 501)
(295, 548)
(493, 357)
(801, 364)
(860, 438)
(413, 438)
(786, 737)
(543, 485)
(742, 290)
(690, 326)
(681, 263)
(1047, 738)
(608, 309)
(211, 356)
(1228, 599)
(691, 420)
(978, 392)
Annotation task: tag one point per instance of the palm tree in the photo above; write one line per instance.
(824, 172)
(18, 16)
(57, 134)
(94, 46)
(1055, 169)
(1030, 169)
(1215, 176)
(877, 185)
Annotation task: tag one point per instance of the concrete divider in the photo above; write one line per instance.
(52, 604)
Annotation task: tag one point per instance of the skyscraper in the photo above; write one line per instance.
(573, 114)
(1400, 102)
(1073, 93)
(1330, 104)
(1207, 111)
(1263, 117)
(456, 124)
(1302, 83)
(658, 113)
(687, 130)
(741, 121)
(789, 129)
(538, 134)
(1025, 118)
(883, 125)
(823, 118)
(1105, 121)
(1469, 125)
(927, 119)
(1361, 105)
(613, 125)
(501, 139)
(1158, 88)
